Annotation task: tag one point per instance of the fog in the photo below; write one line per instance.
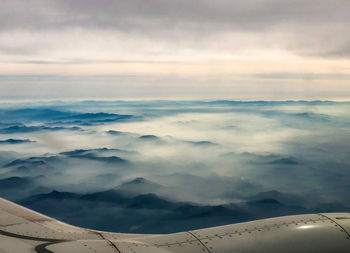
(241, 156)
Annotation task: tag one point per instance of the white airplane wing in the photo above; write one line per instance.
(23, 230)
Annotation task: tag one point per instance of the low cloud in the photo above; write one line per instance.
(212, 162)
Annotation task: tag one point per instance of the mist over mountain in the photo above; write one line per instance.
(154, 214)
(151, 213)
(166, 166)
(59, 117)
(15, 141)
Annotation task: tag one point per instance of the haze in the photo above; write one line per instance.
(240, 50)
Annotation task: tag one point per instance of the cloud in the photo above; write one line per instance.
(135, 13)
(179, 49)
(168, 31)
(197, 163)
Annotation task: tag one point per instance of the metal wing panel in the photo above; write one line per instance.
(20, 211)
(102, 247)
(120, 236)
(262, 225)
(303, 234)
(342, 219)
(19, 222)
(91, 246)
(7, 219)
(25, 231)
(38, 230)
(14, 245)
(174, 243)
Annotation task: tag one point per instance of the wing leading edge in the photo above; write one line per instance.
(23, 230)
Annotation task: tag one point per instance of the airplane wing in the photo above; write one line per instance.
(23, 230)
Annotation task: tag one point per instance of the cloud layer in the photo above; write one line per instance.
(212, 162)
(136, 48)
(298, 25)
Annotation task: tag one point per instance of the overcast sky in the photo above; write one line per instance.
(178, 49)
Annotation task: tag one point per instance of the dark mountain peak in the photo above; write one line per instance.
(21, 169)
(113, 132)
(202, 143)
(139, 183)
(37, 113)
(269, 202)
(286, 198)
(110, 196)
(83, 151)
(74, 152)
(150, 201)
(149, 137)
(285, 161)
(15, 141)
(138, 186)
(89, 119)
(94, 115)
(23, 162)
(148, 196)
(12, 182)
(30, 129)
(217, 211)
(107, 159)
(90, 155)
(94, 151)
(54, 194)
(11, 178)
(138, 180)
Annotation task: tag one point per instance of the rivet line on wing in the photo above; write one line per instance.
(24, 237)
(109, 241)
(346, 232)
(199, 241)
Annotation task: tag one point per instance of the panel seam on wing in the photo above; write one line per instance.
(342, 229)
(199, 241)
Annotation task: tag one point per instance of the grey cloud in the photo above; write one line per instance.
(306, 76)
(189, 22)
(341, 51)
(138, 13)
(17, 50)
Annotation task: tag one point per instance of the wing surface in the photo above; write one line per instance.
(23, 230)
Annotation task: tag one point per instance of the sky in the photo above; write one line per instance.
(179, 49)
